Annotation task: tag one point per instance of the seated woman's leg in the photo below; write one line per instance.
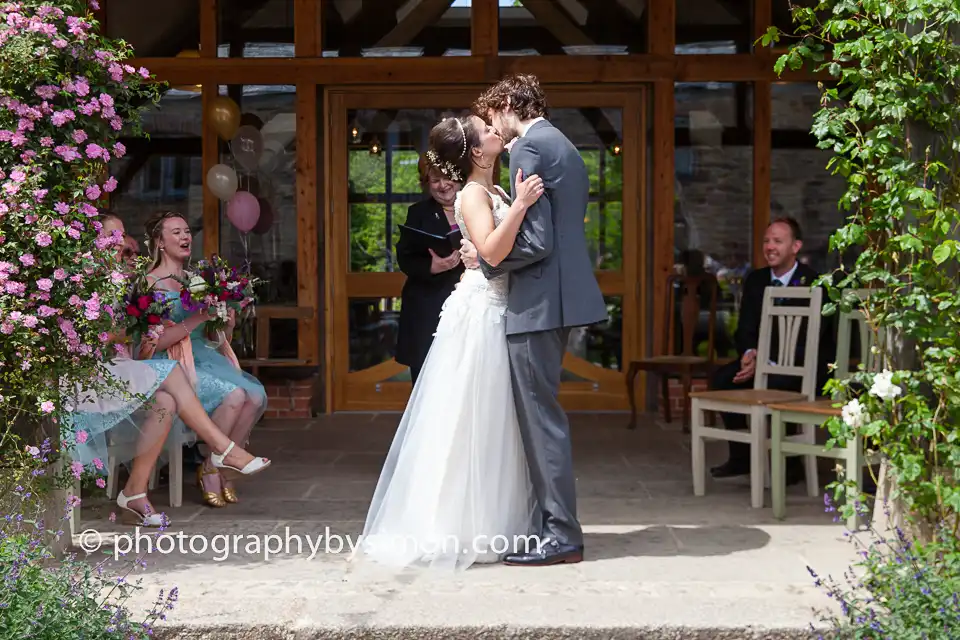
(253, 407)
(154, 432)
(191, 411)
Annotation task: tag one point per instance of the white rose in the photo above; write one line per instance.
(197, 285)
(853, 414)
(883, 386)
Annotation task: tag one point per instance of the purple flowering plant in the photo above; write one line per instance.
(66, 93)
(48, 596)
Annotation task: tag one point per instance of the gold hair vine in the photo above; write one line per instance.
(447, 168)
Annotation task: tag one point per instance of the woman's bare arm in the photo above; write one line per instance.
(493, 242)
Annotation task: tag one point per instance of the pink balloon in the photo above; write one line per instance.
(243, 211)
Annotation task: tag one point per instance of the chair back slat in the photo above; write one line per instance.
(872, 343)
(686, 291)
(790, 321)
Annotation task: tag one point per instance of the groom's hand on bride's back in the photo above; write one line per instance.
(468, 255)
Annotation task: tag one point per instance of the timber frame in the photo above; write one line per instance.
(316, 76)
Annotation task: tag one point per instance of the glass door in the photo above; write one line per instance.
(376, 137)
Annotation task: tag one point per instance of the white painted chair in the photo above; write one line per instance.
(754, 403)
(174, 447)
(816, 413)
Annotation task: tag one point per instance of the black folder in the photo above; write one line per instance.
(420, 240)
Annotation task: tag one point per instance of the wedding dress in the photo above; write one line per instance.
(455, 487)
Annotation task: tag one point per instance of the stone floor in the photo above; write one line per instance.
(660, 562)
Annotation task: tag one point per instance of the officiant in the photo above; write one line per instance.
(431, 277)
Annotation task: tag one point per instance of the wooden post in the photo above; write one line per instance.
(308, 28)
(210, 142)
(761, 166)
(661, 36)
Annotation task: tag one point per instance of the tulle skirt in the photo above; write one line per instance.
(455, 487)
(122, 426)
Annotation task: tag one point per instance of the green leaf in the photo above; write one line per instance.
(942, 253)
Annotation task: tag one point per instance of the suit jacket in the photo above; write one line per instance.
(748, 326)
(552, 283)
(423, 292)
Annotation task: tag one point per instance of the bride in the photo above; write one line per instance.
(455, 488)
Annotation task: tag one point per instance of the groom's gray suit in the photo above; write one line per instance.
(552, 289)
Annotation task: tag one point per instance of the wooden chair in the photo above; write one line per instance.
(817, 412)
(687, 364)
(755, 402)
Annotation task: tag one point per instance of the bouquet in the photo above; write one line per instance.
(144, 311)
(219, 288)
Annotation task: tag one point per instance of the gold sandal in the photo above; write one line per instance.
(230, 495)
(211, 498)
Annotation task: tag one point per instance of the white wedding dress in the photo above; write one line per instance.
(455, 487)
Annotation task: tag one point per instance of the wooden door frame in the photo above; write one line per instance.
(609, 393)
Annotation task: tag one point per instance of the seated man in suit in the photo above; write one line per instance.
(781, 244)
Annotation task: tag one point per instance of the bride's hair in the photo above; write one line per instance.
(450, 143)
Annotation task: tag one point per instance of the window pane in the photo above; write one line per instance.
(800, 184)
(581, 27)
(255, 29)
(384, 179)
(389, 28)
(714, 26)
(601, 344)
(155, 29)
(373, 331)
(164, 172)
(271, 246)
(713, 217)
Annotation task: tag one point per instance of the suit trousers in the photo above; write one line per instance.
(722, 380)
(536, 362)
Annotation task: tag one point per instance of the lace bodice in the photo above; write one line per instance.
(496, 288)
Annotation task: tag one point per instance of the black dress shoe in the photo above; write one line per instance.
(550, 553)
(731, 469)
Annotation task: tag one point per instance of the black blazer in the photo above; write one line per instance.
(751, 305)
(423, 293)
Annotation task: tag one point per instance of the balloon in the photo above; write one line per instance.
(251, 119)
(222, 181)
(273, 152)
(247, 147)
(224, 117)
(243, 211)
(266, 217)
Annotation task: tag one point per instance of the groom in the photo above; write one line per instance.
(552, 289)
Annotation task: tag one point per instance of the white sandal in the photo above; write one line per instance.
(254, 466)
(148, 520)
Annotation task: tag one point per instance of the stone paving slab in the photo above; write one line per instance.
(660, 562)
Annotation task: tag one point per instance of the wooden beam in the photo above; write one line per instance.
(210, 142)
(555, 20)
(662, 161)
(308, 28)
(762, 19)
(209, 32)
(426, 13)
(762, 118)
(661, 29)
(484, 28)
(560, 69)
(308, 271)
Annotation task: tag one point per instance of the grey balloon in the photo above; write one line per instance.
(222, 181)
(247, 147)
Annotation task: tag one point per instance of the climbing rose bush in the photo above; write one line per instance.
(65, 96)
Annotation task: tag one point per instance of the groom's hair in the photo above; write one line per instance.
(521, 91)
